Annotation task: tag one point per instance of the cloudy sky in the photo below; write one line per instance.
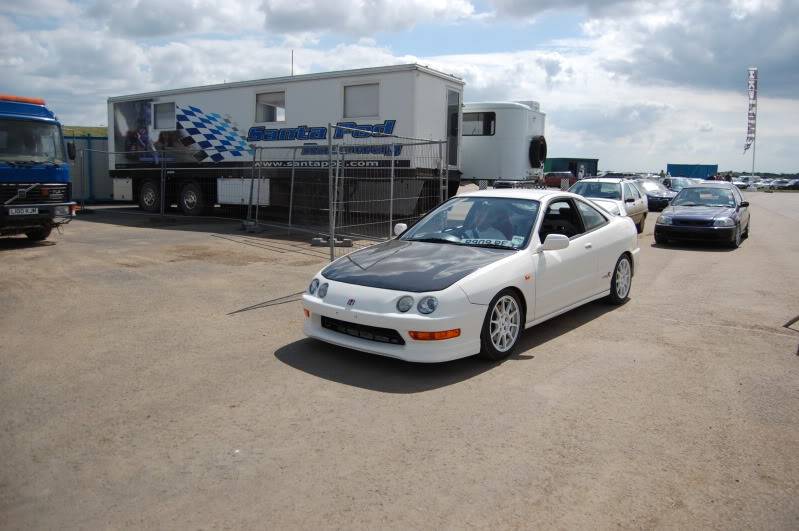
(635, 83)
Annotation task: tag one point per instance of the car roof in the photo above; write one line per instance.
(536, 194)
(717, 184)
(614, 180)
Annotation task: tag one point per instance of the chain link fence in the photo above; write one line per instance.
(339, 196)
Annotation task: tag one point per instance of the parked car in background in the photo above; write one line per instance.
(618, 196)
(792, 185)
(714, 211)
(658, 196)
(745, 181)
(779, 184)
(472, 275)
(675, 184)
(554, 178)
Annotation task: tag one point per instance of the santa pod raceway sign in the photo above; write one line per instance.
(303, 132)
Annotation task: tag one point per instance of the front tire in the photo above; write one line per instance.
(39, 234)
(150, 196)
(621, 281)
(736, 239)
(502, 326)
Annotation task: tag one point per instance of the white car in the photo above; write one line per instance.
(618, 196)
(472, 274)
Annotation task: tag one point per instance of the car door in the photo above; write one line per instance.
(604, 248)
(563, 277)
(633, 203)
(743, 211)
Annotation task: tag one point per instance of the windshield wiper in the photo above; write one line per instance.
(492, 246)
(688, 204)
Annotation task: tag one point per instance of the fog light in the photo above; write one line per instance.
(435, 336)
(62, 210)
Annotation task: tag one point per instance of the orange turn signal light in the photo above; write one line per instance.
(306, 312)
(435, 336)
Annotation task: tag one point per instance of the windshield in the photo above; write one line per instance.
(652, 186)
(704, 196)
(30, 141)
(597, 190)
(478, 221)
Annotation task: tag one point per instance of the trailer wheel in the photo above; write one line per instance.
(538, 151)
(192, 199)
(39, 234)
(150, 196)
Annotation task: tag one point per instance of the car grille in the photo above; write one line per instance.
(38, 194)
(371, 333)
(693, 222)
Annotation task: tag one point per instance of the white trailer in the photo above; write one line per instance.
(503, 141)
(208, 133)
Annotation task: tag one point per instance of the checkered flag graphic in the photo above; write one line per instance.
(211, 135)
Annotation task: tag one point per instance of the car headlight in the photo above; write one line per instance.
(664, 220)
(405, 303)
(427, 305)
(313, 286)
(323, 290)
(724, 222)
(62, 211)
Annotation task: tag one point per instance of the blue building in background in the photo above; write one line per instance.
(696, 171)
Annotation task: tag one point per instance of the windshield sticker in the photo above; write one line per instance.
(476, 241)
(517, 240)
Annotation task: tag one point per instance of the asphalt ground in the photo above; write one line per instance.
(154, 375)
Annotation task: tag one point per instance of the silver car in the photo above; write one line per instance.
(618, 196)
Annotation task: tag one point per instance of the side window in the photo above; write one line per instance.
(561, 218)
(737, 194)
(270, 107)
(362, 100)
(592, 219)
(628, 191)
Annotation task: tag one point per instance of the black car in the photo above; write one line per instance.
(658, 196)
(713, 211)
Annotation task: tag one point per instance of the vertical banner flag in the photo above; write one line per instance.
(751, 120)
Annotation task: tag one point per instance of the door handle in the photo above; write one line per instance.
(588, 246)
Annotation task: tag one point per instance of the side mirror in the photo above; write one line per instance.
(556, 242)
(71, 150)
(399, 228)
(744, 204)
(630, 200)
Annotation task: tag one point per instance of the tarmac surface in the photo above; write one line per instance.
(156, 376)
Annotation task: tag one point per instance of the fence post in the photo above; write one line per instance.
(391, 196)
(442, 180)
(163, 183)
(91, 169)
(82, 177)
(331, 199)
(252, 182)
(291, 188)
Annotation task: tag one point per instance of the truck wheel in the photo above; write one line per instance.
(39, 234)
(192, 200)
(150, 196)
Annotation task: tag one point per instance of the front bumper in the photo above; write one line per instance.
(453, 314)
(46, 215)
(681, 232)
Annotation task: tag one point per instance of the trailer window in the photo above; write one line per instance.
(479, 123)
(164, 116)
(270, 107)
(361, 101)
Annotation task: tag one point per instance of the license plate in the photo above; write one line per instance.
(27, 211)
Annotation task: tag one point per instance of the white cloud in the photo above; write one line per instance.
(360, 17)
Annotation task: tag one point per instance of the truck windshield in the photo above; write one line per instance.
(29, 141)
